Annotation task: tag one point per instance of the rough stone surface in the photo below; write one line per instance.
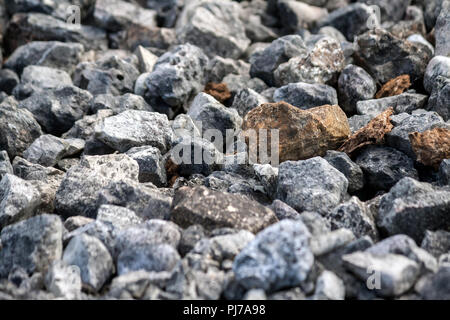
(345, 165)
(431, 146)
(306, 96)
(394, 87)
(64, 281)
(219, 91)
(5, 164)
(406, 102)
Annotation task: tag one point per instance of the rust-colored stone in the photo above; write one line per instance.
(394, 87)
(171, 172)
(302, 133)
(218, 90)
(431, 146)
(372, 133)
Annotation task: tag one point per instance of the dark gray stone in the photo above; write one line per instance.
(438, 67)
(444, 172)
(441, 30)
(284, 211)
(440, 99)
(151, 166)
(437, 287)
(305, 96)
(8, 80)
(405, 102)
(436, 243)
(351, 170)
(5, 164)
(390, 10)
(246, 100)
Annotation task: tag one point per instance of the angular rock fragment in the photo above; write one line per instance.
(396, 273)
(215, 26)
(394, 87)
(351, 170)
(329, 287)
(431, 146)
(441, 30)
(436, 288)
(213, 209)
(18, 200)
(93, 259)
(390, 11)
(247, 99)
(440, 99)
(64, 280)
(444, 172)
(219, 91)
(32, 244)
(41, 78)
(311, 185)
(302, 134)
(406, 102)
(151, 167)
(133, 128)
(412, 207)
(386, 57)
(8, 80)
(436, 243)
(322, 244)
(18, 127)
(299, 14)
(78, 192)
(354, 85)
(305, 95)
(279, 257)
(372, 133)
(119, 217)
(5, 164)
(438, 67)
(183, 69)
(383, 167)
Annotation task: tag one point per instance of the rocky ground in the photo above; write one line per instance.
(93, 204)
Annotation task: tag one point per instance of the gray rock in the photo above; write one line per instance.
(441, 30)
(246, 100)
(213, 209)
(325, 243)
(390, 11)
(265, 62)
(420, 39)
(5, 164)
(76, 222)
(321, 64)
(41, 77)
(219, 67)
(298, 15)
(436, 243)
(386, 57)
(145, 200)
(268, 176)
(64, 281)
(151, 167)
(383, 167)
(355, 216)
(152, 258)
(345, 165)
(283, 211)
(210, 114)
(18, 127)
(93, 259)
(412, 207)
(351, 20)
(57, 109)
(238, 82)
(8, 80)
(133, 128)
(404, 245)
(47, 150)
(440, 99)
(329, 287)
(19, 200)
(119, 217)
(255, 294)
(189, 238)
(41, 27)
(79, 190)
(182, 67)
(279, 257)
(311, 184)
(53, 54)
(315, 223)
(215, 26)
(357, 121)
(354, 85)
(85, 127)
(405, 102)
(130, 101)
(32, 244)
(404, 124)
(108, 75)
(444, 172)
(396, 273)
(305, 96)
(437, 287)
(115, 15)
(147, 59)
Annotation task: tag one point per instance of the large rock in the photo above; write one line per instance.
(32, 244)
(53, 54)
(412, 207)
(386, 57)
(311, 185)
(78, 192)
(302, 133)
(18, 128)
(279, 257)
(151, 167)
(441, 30)
(18, 200)
(93, 259)
(354, 85)
(57, 109)
(176, 78)
(440, 99)
(305, 95)
(133, 128)
(406, 102)
(213, 209)
(351, 170)
(215, 26)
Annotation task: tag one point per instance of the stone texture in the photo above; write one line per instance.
(64, 281)
(311, 185)
(219, 91)
(302, 134)
(214, 209)
(305, 95)
(406, 102)
(279, 257)
(247, 99)
(5, 164)
(431, 146)
(151, 167)
(441, 30)
(119, 217)
(394, 87)
(345, 165)
(436, 243)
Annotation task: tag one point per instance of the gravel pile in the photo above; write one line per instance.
(131, 149)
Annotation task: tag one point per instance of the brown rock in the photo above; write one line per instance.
(394, 87)
(303, 134)
(372, 133)
(218, 90)
(215, 209)
(431, 146)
